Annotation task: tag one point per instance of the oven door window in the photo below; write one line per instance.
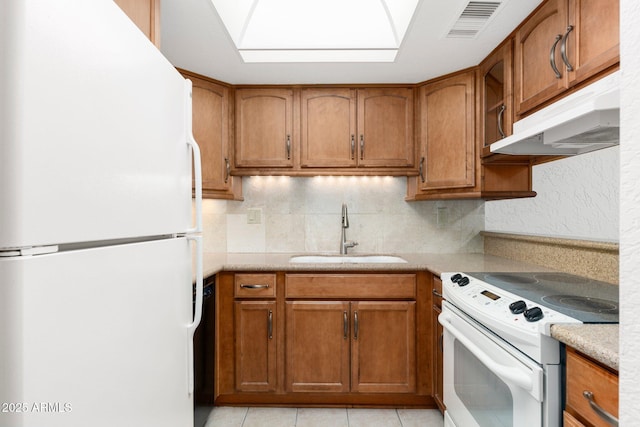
(486, 397)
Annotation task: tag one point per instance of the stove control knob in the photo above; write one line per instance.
(463, 282)
(456, 277)
(518, 307)
(533, 314)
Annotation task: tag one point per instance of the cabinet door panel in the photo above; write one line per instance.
(535, 80)
(146, 15)
(448, 133)
(383, 347)
(264, 128)
(594, 43)
(385, 127)
(210, 129)
(328, 120)
(317, 346)
(255, 325)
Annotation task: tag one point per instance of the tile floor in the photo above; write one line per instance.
(223, 416)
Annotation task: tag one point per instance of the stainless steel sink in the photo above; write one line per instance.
(347, 259)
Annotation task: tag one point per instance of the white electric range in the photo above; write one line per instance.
(501, 366)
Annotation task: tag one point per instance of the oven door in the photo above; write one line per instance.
(487, 383)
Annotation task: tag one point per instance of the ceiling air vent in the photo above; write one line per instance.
(473, 19)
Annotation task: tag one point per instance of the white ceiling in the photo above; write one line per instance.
(194, 38)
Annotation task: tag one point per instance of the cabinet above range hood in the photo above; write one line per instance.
(584, 121)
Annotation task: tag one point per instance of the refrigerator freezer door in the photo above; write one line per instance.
(93, 127)
(97, 337)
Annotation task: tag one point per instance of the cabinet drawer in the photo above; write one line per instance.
(351, 286)
(585, 375)
(255, 285)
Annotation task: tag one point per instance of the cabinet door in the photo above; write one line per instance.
(447, 133)
(264, 128)
(255, 329)
(594, 42)
(385, 127)
(317, 346)
(535, 79)
(211, 131)
(383, 347)
(328, 120)
(146, 15)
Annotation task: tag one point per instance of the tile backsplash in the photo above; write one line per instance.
(303, 215)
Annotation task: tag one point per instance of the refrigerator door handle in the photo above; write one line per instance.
(197, 315)
(197, 163)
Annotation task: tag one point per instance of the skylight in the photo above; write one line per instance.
(317, 30)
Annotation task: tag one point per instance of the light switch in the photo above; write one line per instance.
(254, 216)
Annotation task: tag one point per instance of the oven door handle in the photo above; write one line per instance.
(509, 374)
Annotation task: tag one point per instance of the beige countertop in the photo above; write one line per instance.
(597, 341)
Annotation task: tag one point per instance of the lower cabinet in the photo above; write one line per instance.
(591, 392)
(324, 339)
(359, 346)
(437, 344)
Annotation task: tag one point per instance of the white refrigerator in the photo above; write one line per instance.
(97, 235)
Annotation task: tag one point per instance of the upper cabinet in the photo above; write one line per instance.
(562, 44)
(211, 129)
(146, 15)
(324, 130)
(385, 127)
(328, 124)
(264, 128)
(343, 127)
(496, 95)
(447, 143)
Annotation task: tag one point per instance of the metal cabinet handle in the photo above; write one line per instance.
(353, 147)
(552, 57)
(270, 325)
(227, 170)
(500, 116)
(421, 169)
(607, 417)
(436, 293)
(361, 147)
(251, 286)
(288, 147)
(356, 325)
(345, 324)
(563, 49)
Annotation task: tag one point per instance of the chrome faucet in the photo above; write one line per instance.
(344, 243)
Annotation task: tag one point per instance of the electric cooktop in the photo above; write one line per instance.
(587, 300)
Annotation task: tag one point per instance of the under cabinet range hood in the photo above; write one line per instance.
(584, 121)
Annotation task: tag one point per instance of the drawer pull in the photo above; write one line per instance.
(436, 293)
(607, 417)
(248, 286)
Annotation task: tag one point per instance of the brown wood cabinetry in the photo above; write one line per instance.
(450, 147)
(385, 127)
(586, 375)
(264, 128)
(436, 344)
(146, 15)
(447, 133)
(319, 338)
(562, 44)
(211, 129)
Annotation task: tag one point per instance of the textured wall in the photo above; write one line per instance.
(578, 197)
(630, 215)
(303, 215)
